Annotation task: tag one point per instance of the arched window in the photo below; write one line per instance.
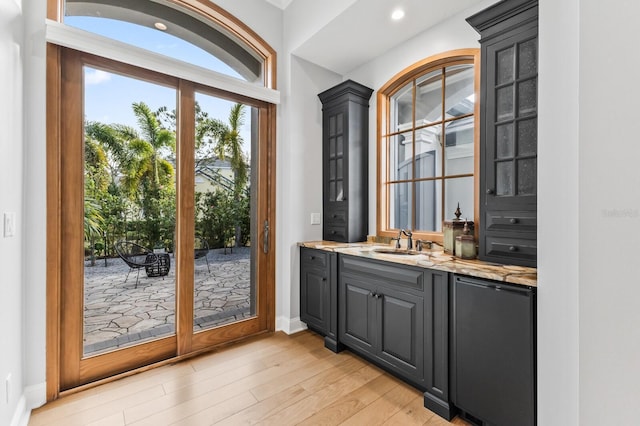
(427, 138)
(165, 28)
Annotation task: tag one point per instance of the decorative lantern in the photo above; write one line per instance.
(451, 229)
(465, 244)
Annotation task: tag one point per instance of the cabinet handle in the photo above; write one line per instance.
(513, 220)
(513, 248)
(333, 232)
(335, 216)
(313, 258)
(489, 191)
(324, 279)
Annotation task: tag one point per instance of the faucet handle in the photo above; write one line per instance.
(397, 240)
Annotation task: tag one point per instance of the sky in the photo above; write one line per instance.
(108, 96)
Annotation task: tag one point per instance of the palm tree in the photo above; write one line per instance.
(227, 144)
(138, 163)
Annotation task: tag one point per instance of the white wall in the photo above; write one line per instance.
(299, 170)
(559, 240)
(454, 33)
(609, 209)
(11, 200)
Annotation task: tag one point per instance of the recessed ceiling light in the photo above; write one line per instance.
(397, 14)
(160, 26)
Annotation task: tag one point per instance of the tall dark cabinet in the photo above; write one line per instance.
(508, 131)
(345, 130)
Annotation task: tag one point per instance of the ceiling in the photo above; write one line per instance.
(365, 30)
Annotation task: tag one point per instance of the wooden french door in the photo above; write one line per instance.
(113, 317)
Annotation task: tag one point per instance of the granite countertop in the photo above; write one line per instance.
(434, 259)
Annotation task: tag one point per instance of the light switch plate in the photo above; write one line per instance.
(315, 218)
(9, 224)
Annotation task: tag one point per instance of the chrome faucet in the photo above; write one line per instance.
(409, 235)
(397, 240)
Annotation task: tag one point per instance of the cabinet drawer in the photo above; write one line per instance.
(516, 221)
(313, 257)
(335, 233)
(511, 247)
(403, 277)
(335, 217)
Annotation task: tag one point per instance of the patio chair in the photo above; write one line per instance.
(201, 250)
(136, 257)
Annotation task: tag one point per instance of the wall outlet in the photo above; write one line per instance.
(9, 224)
(315, 218)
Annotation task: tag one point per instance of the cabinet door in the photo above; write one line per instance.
(335, 154)
(510, 121)
(357, 312)
(494, 351)
(400, 333)
(314, 296)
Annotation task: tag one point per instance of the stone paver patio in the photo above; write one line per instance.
(118, 314)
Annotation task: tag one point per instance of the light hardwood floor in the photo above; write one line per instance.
(271, 380)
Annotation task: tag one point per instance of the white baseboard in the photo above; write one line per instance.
(32, 397)
(290, 325)
(22, 414)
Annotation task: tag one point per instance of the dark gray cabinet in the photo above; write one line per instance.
(381, 310)
(493, 374)
(318, 294)
(508, 131)
(345, 130)
(398, 317)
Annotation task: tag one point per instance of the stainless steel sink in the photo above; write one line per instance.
(402, 252)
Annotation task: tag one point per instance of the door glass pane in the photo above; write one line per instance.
(527, 97)
(504, 141)
(527, 177)
(429, 98)
(504, 103)
(528, 58)
(224, 288)
(504, 66)
(429, 206)
(504, 178)
(527, 137)
(129, 211)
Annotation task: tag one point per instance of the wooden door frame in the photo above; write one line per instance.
(167, 349)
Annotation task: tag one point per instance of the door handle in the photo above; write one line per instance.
(265, 240)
